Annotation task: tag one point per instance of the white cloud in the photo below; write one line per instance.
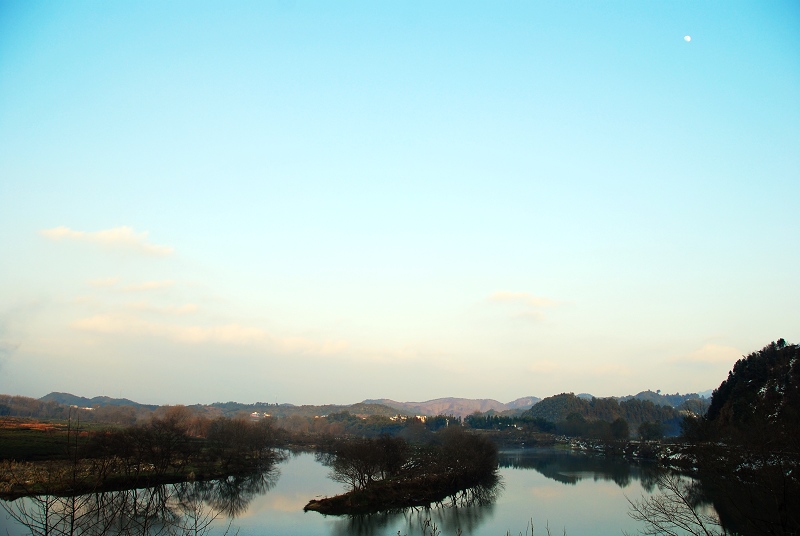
(117, 237)
(710, 354)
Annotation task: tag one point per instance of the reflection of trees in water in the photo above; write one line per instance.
(147, 511)
(186, 508)
(464, 510)
(650, 474)
(679, 507)
(735, 491)
(569, 467)
(754, 489)
(232, 495)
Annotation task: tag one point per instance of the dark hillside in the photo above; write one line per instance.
(559, 407)
(747, 446)
(556, 408)
(760, 396)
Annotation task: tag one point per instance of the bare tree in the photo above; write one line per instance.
(359, 462)
(676, 510)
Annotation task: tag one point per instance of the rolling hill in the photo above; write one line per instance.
(69, 399)
(460, 407)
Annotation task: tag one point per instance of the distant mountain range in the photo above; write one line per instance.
(460, 407)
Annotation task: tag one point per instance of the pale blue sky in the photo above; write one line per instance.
(326, 202)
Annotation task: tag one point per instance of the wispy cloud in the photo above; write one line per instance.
(529, 307)
(530, 315)
(148, 285)
(12, 326)
(611, 369)
(409, 355)
(118, 237)
(544, 366)
(113, 283)
(227, 334)
(710, 354)
(104, 282)
(171, 310)
(7, 347)
(546, 493)
(524, 298)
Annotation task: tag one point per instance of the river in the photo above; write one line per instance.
(566, 491)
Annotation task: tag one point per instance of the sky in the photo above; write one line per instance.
(325, 202)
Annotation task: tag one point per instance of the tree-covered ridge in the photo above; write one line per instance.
(285, 410)
(690, 401)
(460, 407)
(124, 411)
(761, 393)
(559, 407)
(747, 447)
(69, 399)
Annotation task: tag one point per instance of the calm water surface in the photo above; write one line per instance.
(568, 491)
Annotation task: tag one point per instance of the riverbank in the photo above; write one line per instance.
(676, 456)
(60, 477)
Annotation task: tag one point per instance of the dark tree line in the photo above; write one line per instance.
(602, 422)
(358, 463)
(635, 412)
(452, 453)
(162, 450)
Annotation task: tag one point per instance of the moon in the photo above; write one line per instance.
(687, 38)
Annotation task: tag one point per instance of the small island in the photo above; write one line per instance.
(387, 473)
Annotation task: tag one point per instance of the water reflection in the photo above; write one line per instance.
(188, 508)
(230, 496)
(201, 507)
(465, 510)
(570, 467)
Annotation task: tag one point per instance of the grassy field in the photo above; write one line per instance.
(29, 439)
